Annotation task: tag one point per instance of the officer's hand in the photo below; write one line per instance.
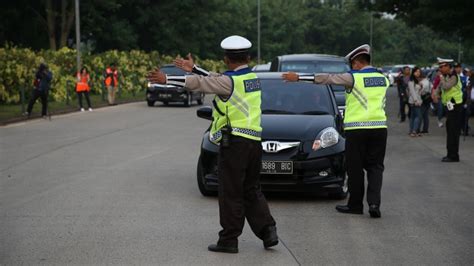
(290, 76)
(156, 76)
(186, 65)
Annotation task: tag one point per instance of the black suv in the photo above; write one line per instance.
(295, 115)
(170, 93)
(314, 63)
(309, 63)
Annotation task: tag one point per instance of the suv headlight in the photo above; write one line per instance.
(326, 138)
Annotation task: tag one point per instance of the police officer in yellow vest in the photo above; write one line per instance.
(450, 88)
(236, 129)
(365, 126)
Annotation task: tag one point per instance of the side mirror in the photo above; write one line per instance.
(205, 112)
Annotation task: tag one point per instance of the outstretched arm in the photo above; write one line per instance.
(220, 84)
(189, 66)
(344, 79)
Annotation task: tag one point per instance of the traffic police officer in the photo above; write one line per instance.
(365, 126)
(450, 88)
(236, 129)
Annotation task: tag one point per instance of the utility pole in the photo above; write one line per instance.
(258, 32)
(78, 37)
(371, 33)
(460, 52)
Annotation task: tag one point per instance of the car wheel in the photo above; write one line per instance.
(188, 101)
(342, 192)
(201, 99)
(200, 181)
(150, 103)
(166, 103)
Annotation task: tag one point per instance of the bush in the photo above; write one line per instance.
(18, 67)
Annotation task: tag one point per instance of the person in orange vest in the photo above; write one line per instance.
(111, 82)
(82, 87)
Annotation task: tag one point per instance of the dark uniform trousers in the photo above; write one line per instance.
(43, 95)
(240, 195)
(365, 150)
(453, 131)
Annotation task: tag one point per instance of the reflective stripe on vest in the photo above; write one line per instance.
(365, 102)
(241, 110)
(454, 93)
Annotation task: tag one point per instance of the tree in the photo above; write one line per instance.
(421, 30)
(452, 17)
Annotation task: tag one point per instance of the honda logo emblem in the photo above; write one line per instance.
(276, 146)
(272, 146)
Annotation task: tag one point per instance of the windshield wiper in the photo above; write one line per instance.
(315, 113)
(274, 111)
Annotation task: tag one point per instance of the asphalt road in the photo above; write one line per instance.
(118, 186)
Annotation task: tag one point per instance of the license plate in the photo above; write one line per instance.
(165, 95)
(277, 167)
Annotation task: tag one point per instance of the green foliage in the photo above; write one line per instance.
(421, 31)
(18, 67)
(453, 18)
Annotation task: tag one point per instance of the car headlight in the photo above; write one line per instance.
(148, 85)
(326, 138)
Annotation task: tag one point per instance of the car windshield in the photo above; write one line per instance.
(171, 70)
(314, 66)
(279, 97)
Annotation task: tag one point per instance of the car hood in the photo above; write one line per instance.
(294, 127)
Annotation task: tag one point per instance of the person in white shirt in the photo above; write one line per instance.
(414, 92)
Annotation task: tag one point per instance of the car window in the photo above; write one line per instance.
(314, 66)
(279, 97)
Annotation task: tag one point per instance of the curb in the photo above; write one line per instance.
(60, 112)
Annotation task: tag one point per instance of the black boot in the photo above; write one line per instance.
(374, 211)
(223, 249)
(269, 236)
(348, 209)
(449, 160)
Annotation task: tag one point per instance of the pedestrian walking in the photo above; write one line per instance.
(236, 128)
(464, 110)
(402, 86)
(365, 126)
(111, 82)
(83, 88)
(414, 92)
(41, 86)
(450, 90)
(467, 101)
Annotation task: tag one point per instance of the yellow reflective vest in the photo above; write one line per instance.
(455, 93)
(365, 102)
(241, 111)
